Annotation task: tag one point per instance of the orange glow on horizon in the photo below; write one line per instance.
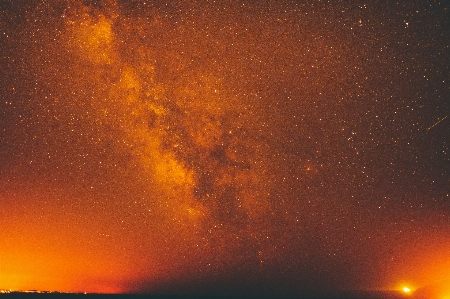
(424, 269)
(49, 254)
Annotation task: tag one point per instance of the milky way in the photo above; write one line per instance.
(265, 147)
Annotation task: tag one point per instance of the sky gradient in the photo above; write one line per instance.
(224, 147)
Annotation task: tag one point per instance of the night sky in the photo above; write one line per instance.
(224, 147)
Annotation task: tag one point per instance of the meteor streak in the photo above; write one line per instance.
(436, 123)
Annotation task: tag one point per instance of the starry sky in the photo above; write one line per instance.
(224, 147)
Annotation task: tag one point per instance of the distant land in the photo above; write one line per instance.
(346, 295)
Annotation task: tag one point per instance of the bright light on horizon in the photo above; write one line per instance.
(406, 290)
